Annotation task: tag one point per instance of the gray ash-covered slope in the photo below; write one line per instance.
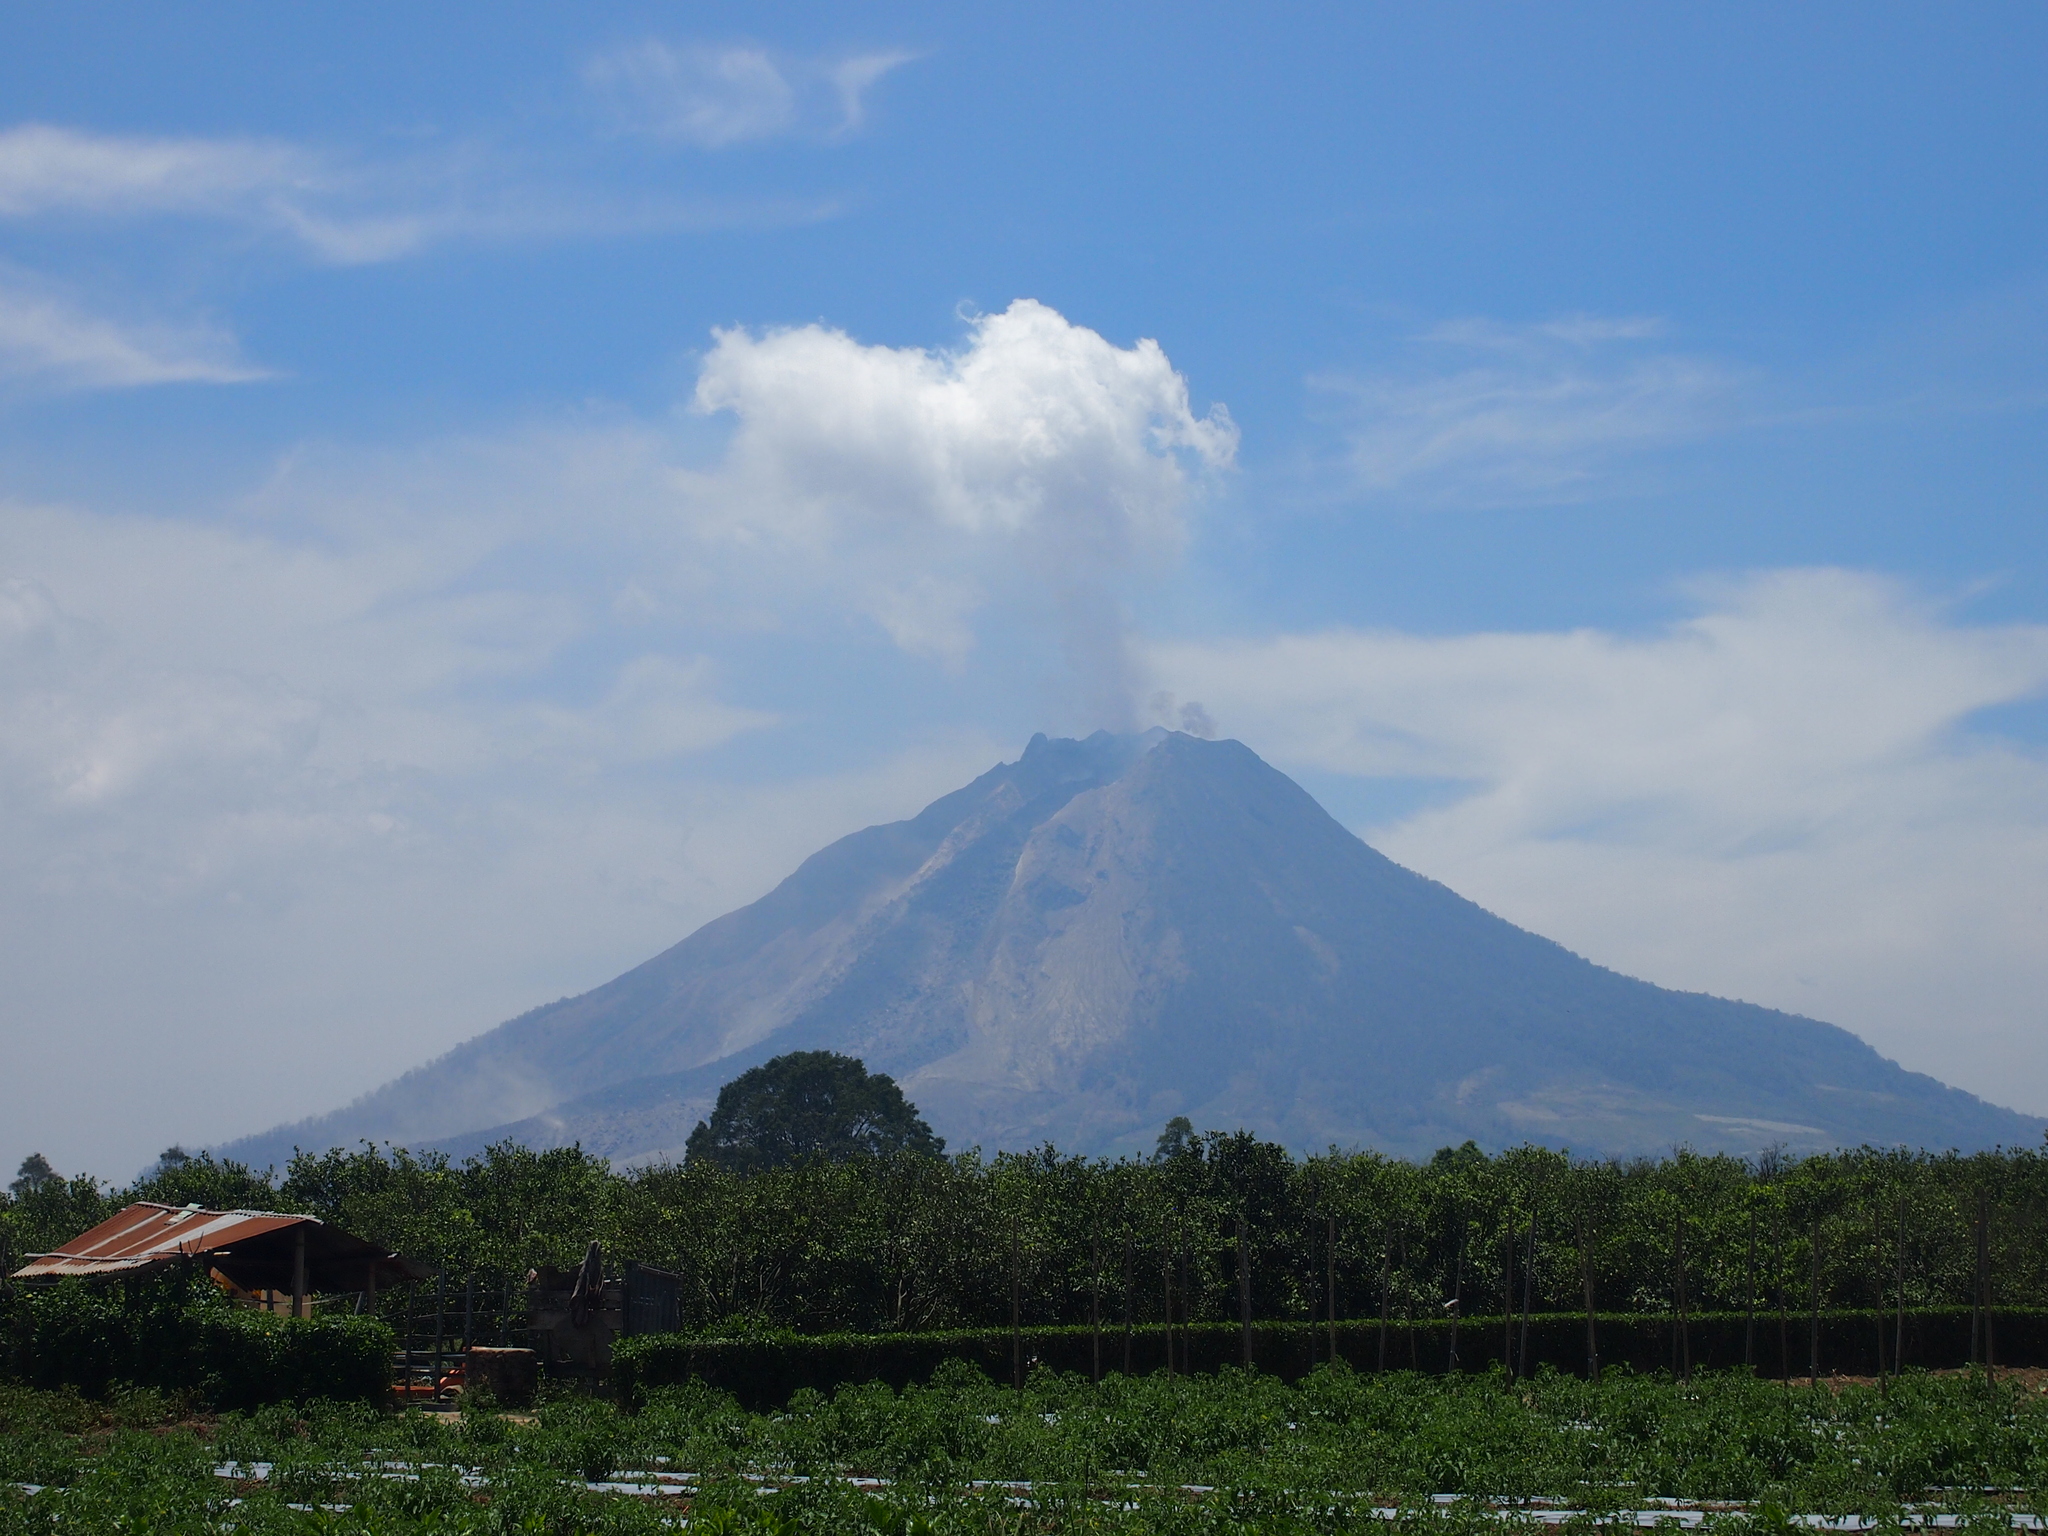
(1109, 932)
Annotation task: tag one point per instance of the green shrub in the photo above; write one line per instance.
(178, 1334)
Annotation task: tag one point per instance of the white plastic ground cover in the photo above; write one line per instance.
(1681, 1514)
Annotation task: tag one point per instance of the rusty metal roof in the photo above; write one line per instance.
(148, 1236)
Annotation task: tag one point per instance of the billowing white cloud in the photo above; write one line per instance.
(713, 97)
(1493, 414)
(1779, 799)
(48, 342)
(924, 478)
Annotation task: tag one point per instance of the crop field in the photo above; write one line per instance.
(1232, 1452)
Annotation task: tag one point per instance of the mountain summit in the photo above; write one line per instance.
(1105, 933)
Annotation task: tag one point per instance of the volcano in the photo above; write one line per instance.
(1107, 933)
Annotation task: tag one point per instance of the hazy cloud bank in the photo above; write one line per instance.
(1779, 799)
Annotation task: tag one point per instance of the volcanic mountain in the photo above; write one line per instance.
(1106, 933)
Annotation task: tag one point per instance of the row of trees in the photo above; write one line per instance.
(912, 1242)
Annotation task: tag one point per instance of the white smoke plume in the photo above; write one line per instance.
(1038, 465)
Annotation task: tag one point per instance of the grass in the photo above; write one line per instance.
(1235, 1452)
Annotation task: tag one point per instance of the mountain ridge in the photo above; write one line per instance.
(1106, 932)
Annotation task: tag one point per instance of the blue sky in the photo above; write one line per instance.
(482, 493)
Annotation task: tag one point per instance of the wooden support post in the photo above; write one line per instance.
(299, 1270)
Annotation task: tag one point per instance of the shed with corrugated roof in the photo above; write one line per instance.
(254, 1251)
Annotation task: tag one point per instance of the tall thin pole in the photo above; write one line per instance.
(1457, 1294)
(1507, 1299)
(1749, 1328)
(1991, 1315)
(1244, 1288)
(1330, 1285)
(468, 1309)
(1386, 1295)
(440, 1325)
(1813, 1335)
(1586, 1281)
(1127, 1303)
(1016, 1312)
(1977, 1285)
(1684, 1316)
(1778, 1287)
(1166, 1284)
(1095, 1305)
(1899, 1277)
(1528, 1289)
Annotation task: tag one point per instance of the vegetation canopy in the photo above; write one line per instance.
(806, 1106)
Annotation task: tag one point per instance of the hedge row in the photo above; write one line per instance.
(763, 1372)
(180, 1335)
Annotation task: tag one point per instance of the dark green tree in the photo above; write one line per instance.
(805, 1106)
(1177, 1139)
(34, 1173)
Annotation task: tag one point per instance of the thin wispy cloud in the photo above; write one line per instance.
(1493, 414)
(714, 97)
(335, 209)
(48, 342)
(47, 169)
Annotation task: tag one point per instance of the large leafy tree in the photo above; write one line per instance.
(805, 1106)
